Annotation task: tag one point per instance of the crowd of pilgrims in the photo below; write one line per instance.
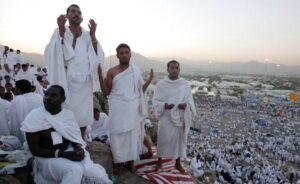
(14, 67)
(249, 156)
(231, 148)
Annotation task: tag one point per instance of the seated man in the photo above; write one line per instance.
(99, 130)
(54, 138)
(21, 106)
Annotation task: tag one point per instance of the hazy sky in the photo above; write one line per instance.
(216, 30)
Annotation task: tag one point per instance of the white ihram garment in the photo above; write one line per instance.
(174, 124)
(62, 170)
(20, 107)
(80, 78)
(127, 109)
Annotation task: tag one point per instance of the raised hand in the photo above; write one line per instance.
(93, 26)
(169, 106)
(61, 21)
(182, 106)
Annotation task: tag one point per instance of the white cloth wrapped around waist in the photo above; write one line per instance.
(124, 115)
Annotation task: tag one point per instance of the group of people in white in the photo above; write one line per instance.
(235, 149)
(57, 124)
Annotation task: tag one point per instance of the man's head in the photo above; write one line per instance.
(6, 67)
(173, 69)
(8, 96)
(24, 67)
(44, 70)
(96, 114)
(198, 157)
(53, 98)
(74, 15)
(23, 86)
(18, 51)
(123, 53)
(8, 87)
(7, 78)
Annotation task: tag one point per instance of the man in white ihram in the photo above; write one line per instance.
(21, 106)
(125, 87)
(72, 58)
(174, 107)
(54, 138)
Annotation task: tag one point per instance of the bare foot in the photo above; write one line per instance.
(179, 167)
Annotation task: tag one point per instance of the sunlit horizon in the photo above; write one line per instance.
(215, 30)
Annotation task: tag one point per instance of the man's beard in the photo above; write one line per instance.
(76, 21)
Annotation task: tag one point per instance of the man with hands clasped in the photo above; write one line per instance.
(55, 141)
(174, 107)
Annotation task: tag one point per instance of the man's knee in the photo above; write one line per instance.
(76, 169)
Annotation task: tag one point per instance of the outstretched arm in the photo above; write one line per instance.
(147, 83)
(61, 21)
(92, 25)
(105, 84)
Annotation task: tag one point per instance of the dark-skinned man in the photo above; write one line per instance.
(54, 138)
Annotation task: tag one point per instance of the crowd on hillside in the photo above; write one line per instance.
(14, 67)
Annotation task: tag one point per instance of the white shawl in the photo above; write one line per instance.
(175, 92)
(126, 101)
(64, 123)
(58, 55)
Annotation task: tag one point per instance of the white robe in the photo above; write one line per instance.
(4, 107)
(196, 167)
(80, 77)
(61, 170)
(28, 75)
(20, 107)
(20, 58)
(11, 60)
(174, 124)
(100, 127)
(127, 109)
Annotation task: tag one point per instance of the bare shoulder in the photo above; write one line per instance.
(113, 71)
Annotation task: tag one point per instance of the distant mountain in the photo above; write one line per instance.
(189, 66)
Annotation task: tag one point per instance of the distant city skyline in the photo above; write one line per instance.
(212, 30)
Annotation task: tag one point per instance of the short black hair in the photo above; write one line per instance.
(39, 78)
(61, 90)
(7, 95)
(7, 76)
(172, 61)
(72, 5)
(122, 45)
(96, 110)
(23, 85)
(8, 83)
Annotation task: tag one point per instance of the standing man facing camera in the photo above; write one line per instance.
(72, 58)
(174, 108)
